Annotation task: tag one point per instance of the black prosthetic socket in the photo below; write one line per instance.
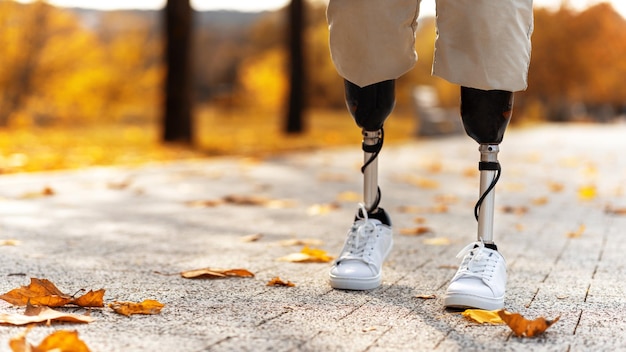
(378, 214)
(370, 105)
(486, 113)
(490, 246)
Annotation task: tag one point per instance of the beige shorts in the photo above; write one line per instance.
(483, 44)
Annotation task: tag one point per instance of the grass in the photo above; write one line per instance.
(218, 133)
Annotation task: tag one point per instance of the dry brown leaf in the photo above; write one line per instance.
(435, 209)
(578, 233)
(148, 307)
(42, 292)
(41, 314)
(614, 211)
(519, 210)
(210, 203)
(416, 231)
(308, 255)
(483, 316)
(555, 187)
(420, 182)
(45, 192)
(90, 299)
(61, 341)
(277, 281)
(215, 273)
(540, 201)
(245, 200)
(526, 328)
(424, 296)
(251, 238)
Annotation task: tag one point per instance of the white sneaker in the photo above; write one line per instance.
(359, 266)
(480, 281)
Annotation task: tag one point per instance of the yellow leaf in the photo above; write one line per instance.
(522, 327)
(9, 242)
(61, 341)
(540, 201)
(148, 307)
(215, 273)
(437, 241)
(483, 316)
(307, 255)
(587, 192)
(578, 233)
(320, 209)
(348, 196)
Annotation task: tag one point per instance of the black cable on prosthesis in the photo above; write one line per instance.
(374, 149)
(489, 166)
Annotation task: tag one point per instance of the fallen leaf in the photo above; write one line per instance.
(349, 196)
(426, 297)
(245, 200)
(519, 210)
(578, 233)
(483, 316)
(42, 314)
(61, 341)
(9, 242)
(251, 238)
(42, 292)
(307, 255)
(148, 307)
(277, 281)
(555, 187)
(320, 209)
(523, 327)
(416, 231)
(586, 193)
(614, 211)
(420, 182)
(90, 299)
(435, 209)
(45, 192)
(540, 201)
(215, 273)
(204, 203)
(437, 241)
(301, 242)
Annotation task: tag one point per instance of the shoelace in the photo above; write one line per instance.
(357, 244)
(476, 261)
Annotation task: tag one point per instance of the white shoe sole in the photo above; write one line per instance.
(359, 284)
(464, 301)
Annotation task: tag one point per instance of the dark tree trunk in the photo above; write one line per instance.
(294, 119)
(177, 114)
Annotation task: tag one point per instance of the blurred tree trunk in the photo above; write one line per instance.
(177, 114)
(293, 121)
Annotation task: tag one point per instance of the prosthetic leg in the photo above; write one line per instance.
(481, 278)
(359, 266)
(370, 106)
(485, 116)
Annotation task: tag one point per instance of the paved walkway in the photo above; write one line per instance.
(132, 230)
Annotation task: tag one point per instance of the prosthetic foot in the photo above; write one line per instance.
(480, 280)
(359, 266)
